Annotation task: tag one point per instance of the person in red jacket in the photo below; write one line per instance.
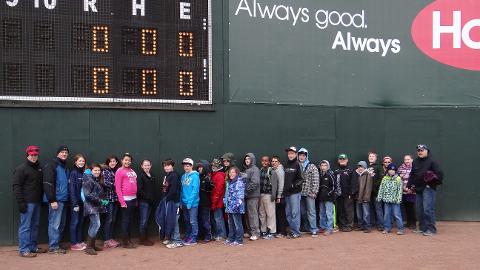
(218, 192)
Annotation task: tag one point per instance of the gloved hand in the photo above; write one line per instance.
(104, 202)
(22, 207)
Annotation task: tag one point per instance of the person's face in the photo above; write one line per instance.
(187, 167)
(63, 155)
(291, 155)
(32, 158)
(146, 166)
(391, 172)
(96, 171)
(302, 157)
(200, 169)
(168, 168)
(126, 162)
(112, 163)
(248, 161)
(372, 158)
(422, 153)
(408, 160)
(386, 162)
(275, 163)
(232, 174)
(80, 163)
(226, 163)
(265, 162)
(323, 167)
(360, 169)
(343, 162)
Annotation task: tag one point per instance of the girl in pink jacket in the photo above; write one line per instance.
(126, 188)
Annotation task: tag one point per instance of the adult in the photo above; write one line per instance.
(55, 187)
(278, 175)
(27, 188)
(309, 193)
(345, 203)
(377, 172)
(424, 179)
(252, 190)
(292, 191)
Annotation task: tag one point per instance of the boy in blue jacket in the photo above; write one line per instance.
(190, 199)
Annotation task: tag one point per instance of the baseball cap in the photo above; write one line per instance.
(362, 164)
(32, 150)
(342, 156)
(291, 148)
(422, 147)
(187, 161)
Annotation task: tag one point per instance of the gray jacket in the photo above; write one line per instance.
(278, 177)
(252, 178)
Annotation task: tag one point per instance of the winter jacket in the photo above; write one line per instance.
(206, 185)
(93, 193)
(252, 178)
(27, 184)
(328, 185)
(171, 187)
(419, 167)
(362, 185)
(293, 178)
(235, 196)
(190, 189)
(404, 172)
(390, 190)
(278, 176)
(218, 192)
(344, 176)
(146, 188)
(55, 181)
(109, 184)
(75, 185)
(377, 173)
(268, 183)
(311, 184)
(125, 184)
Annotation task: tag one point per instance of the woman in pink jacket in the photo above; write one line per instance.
(126, 188)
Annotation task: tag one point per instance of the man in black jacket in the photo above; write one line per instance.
(292, 191)
(424, 179)
(345, 208)
(27, 187)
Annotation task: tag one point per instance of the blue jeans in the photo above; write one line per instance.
(94, 225)
(191, 222)
(397, 213)
(110, 218)
(220, 230)
(326, 215)
(425, 207)
(363, 215)
(309, 215)
(76, 225)
(205, 222)
(292, 210)
(28, 229)
(166, 217)
(144, 209)
(235, 228)
(377, 210)
(127, 214)
(56, 224)
(176, 231)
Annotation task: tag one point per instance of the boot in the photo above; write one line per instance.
(126, 242)
(97, 248)
(144, 240)
(90, 250)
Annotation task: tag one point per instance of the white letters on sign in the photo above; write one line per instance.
(49, 4)
(12, 3)
(458, 32)
(185, 11)
(138, 6)
(89, 4)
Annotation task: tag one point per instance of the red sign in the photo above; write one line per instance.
(448, 31)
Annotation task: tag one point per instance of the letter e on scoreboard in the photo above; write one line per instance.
(185, 11)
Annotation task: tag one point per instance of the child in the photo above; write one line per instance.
(146, 197)
(126, 188)
(326, 195)
(235, 207)
(252, 180)
(94, 205)
(345, 203)
(408, 199)
(190, 200)
(206, 187)
(362, 184)
(218, 192)
(76, 218)
(108, 173)
(390, 193)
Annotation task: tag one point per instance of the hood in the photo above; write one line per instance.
(205, 164)
(328, 164)
(228, 156)
(252, 157)
(305, 163)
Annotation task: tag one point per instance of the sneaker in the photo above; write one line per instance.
(227, 242)
(166, 242)
(314, 234)
(115, 243)
(110, 244)
(385, 232)
(335, 229)
(246, 235)
(77, 247)
(367, 230)
(254, 237)
(279, 235)
(268, 236)
(174, 245)
(59, 251)
(401, 232)
(83, 244)
(347, 229)
(236, 244)
(28, 254)
(219, 239)
(39, 250)
(428, 233)
(417, 231)
(190, 243)
(294, 236)
(327, 233)
(380, 229)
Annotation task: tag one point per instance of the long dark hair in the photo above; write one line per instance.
(100, 177)
(107, 161)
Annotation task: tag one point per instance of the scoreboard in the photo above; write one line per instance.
(113, 53)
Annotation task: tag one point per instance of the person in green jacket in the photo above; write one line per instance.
(390, 193)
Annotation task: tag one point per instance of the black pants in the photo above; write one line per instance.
(345, 212)
(410, 213)
(127, 216)
(281, 217)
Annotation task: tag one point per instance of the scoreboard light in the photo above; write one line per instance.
(106, 53)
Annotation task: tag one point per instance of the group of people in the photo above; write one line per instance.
(220, 201)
